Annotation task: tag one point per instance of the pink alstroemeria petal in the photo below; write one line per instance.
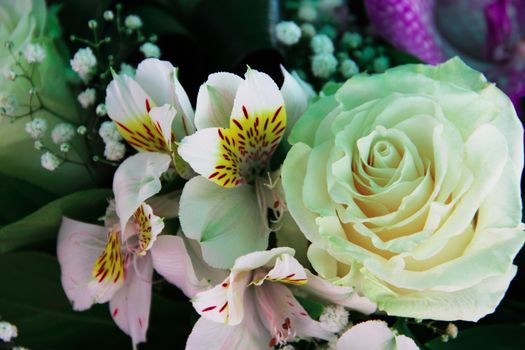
(130, 306)
(78, 247)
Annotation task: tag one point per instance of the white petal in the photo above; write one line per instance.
(201, 151)
(125, 100)
(159, 79)
(284, 316)
(155, 77)
(295, 99)
(286, 270)
(258, 259)
(135, 180)
(209, 335)
(215, 100)
(130, 306)
(372, 335)
(163, 117)
(226, 221)
(258, 93)
(320, 289)
(78, 247)
(172, 260)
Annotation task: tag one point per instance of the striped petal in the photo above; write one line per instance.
(142, 125)
(236, 155)
(149, 226)
(92, 269)
(160, 81)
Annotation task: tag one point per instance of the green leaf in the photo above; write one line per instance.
(495, 337)
(19, 198)
(313, 308)
(31, 297)
(44, 223)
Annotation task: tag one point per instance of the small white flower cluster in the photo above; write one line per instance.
(8, 104)
(87, 98)
(307, 13)
(351, 40)
(49, 161)
(62, 132)
(321, 43)
(348, 68)
(7, 331)
(36, 128)
(9, 74)
(34, 53)
(133, 22)
(381, 64)
(288, 33)
(324, 65)
(127, 69)
(334, 318)
(84, 63)
(101, 110)
(150, 50)
(114, 149)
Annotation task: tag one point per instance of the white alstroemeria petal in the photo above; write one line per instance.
(148, 226)
(130, 306)
(185, 125)
(129, 107)
(227, 222)
(156, 78)
(163, 118)
(322, 290)
(261, 258)
(78, 247)
(250, 334)
(284, 316)
(215, 100)
(201, 151)
(238, 154)
(373, 335)
(224, 303)
(257, 94)
(295, 99)
(173, 261)
(286, 270)
(159, 79)
(126, 101)
(135, 180)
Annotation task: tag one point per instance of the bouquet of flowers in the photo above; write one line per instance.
(296, 174)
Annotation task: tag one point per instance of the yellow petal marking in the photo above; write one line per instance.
(109, 267)
(246, 147)
(144, 134)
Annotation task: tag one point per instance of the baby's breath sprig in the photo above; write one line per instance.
(321, 40)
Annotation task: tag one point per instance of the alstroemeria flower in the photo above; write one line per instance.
(487, 34)
(253, 308)
(113, 263)
(152, 110)
(374, 335)
(240, 125)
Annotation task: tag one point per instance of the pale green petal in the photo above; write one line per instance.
(305, 128)
(226, 221)
(293, 170)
